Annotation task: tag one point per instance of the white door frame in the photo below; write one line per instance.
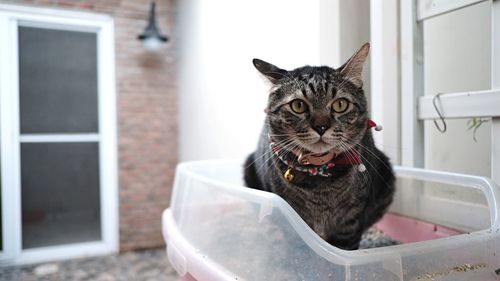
(385, 85)
(103, 25)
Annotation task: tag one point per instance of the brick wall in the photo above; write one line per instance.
(147, 115)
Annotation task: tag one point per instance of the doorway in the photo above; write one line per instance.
(58, 134)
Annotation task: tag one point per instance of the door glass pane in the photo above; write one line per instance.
(60, 193)
(57, 81)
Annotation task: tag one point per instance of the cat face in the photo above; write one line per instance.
(317, 109)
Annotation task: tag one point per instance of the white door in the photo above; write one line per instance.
(58, 141)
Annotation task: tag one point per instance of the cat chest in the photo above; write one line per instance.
(326, 212)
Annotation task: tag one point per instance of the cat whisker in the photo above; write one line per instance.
(284, 149)
(287, 135)
(365, 177)
(282, 153)
(368, 150)
(283, 142)
(367, 162)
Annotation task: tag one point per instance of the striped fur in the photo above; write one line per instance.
(338, 208)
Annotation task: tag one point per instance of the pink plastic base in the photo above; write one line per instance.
(187, 277)
(409, 230)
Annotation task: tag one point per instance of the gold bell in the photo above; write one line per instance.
(288, 175)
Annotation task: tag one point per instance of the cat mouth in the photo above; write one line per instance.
(318, 148)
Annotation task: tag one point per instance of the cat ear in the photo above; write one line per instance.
(353, 68)
(271, 72)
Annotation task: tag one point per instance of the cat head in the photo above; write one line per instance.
(317, 109)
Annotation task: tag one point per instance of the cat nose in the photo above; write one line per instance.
(321, 129)
(320, 124)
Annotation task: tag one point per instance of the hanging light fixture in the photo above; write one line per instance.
(151, 38)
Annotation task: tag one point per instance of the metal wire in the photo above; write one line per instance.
(443, 129)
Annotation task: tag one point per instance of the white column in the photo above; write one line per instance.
(385, 99)
(495, 84)
(11, 215)
(412, 85)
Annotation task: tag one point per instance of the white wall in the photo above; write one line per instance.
(457, 58)
(344, 28)
(221, 95)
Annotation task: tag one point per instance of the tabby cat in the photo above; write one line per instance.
(317, 152)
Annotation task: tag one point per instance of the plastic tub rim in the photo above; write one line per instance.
(344, 257)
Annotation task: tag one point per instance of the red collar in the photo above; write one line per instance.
(320, 164)
(351, 157)
(317, 164)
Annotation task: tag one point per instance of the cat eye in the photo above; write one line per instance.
(340, 105)
(298, 106)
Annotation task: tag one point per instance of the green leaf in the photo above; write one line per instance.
(474, 123)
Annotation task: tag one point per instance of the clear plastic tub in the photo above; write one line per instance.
(217, 229)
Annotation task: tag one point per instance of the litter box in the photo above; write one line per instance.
(217, 229)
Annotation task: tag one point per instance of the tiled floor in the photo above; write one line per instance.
(150, 265)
